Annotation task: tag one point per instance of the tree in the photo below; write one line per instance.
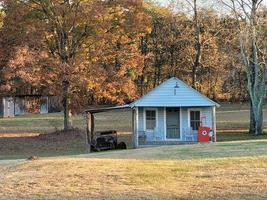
(164, 48)
(1, 55)
(115, 55)
(252, 34)
(198, 43)
(83, 51)
(67, 25)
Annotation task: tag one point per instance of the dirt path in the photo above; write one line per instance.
(9, 163)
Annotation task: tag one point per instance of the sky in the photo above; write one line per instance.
(200, 2)
(215, 4)
(165, 2)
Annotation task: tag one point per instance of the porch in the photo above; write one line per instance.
(160, 125)
(171, 125)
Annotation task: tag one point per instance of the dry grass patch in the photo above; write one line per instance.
(19, 135)
(81, 178)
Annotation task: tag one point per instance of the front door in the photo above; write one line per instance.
(173, 123)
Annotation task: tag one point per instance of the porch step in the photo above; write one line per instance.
(166, 142)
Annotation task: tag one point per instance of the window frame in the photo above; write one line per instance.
(189, 116)
(156, 118)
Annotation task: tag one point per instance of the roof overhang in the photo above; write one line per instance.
(173, 106)
(106, 109)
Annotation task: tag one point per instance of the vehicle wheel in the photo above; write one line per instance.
(121, 145)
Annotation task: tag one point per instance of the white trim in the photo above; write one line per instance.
(214, 123)
(137, 131)
(181, 137)
(165, 123)
(188, 115)
(144, 118)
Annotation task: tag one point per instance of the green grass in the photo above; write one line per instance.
(194, 151)
(119, 120)
(19, 146)
(237, 135)
(229, 117)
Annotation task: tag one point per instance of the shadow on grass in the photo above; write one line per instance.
(236, 136)
(16, 146)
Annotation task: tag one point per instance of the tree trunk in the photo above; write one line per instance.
(198, 46)
(66, 103)
(256, 112)
(252, 123)
(257, 118)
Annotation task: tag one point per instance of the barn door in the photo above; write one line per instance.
(173, 123)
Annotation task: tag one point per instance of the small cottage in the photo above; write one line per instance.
(172, 113)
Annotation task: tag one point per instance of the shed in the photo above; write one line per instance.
(7, 106)
(14, 105)
(171, 113)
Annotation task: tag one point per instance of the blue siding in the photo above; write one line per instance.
(140, 119)
(159, 133)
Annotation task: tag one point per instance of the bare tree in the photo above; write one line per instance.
(196, 10)
(253, 54)
(198, 41)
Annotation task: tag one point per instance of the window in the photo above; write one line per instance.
(150, 119)
(195, 119)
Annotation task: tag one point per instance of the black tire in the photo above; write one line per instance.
(121, 145)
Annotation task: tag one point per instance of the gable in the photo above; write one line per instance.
(164, 95)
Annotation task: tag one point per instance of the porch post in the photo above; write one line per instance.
(135, 127)
(92, 126)
(88, 136)
(214, 123)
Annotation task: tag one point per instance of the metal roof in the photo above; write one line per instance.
(105, 109)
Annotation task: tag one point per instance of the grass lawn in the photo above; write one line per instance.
(229, 117)
(27, 135)
(235, 170)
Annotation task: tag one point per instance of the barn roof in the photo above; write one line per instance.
(173, 93)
